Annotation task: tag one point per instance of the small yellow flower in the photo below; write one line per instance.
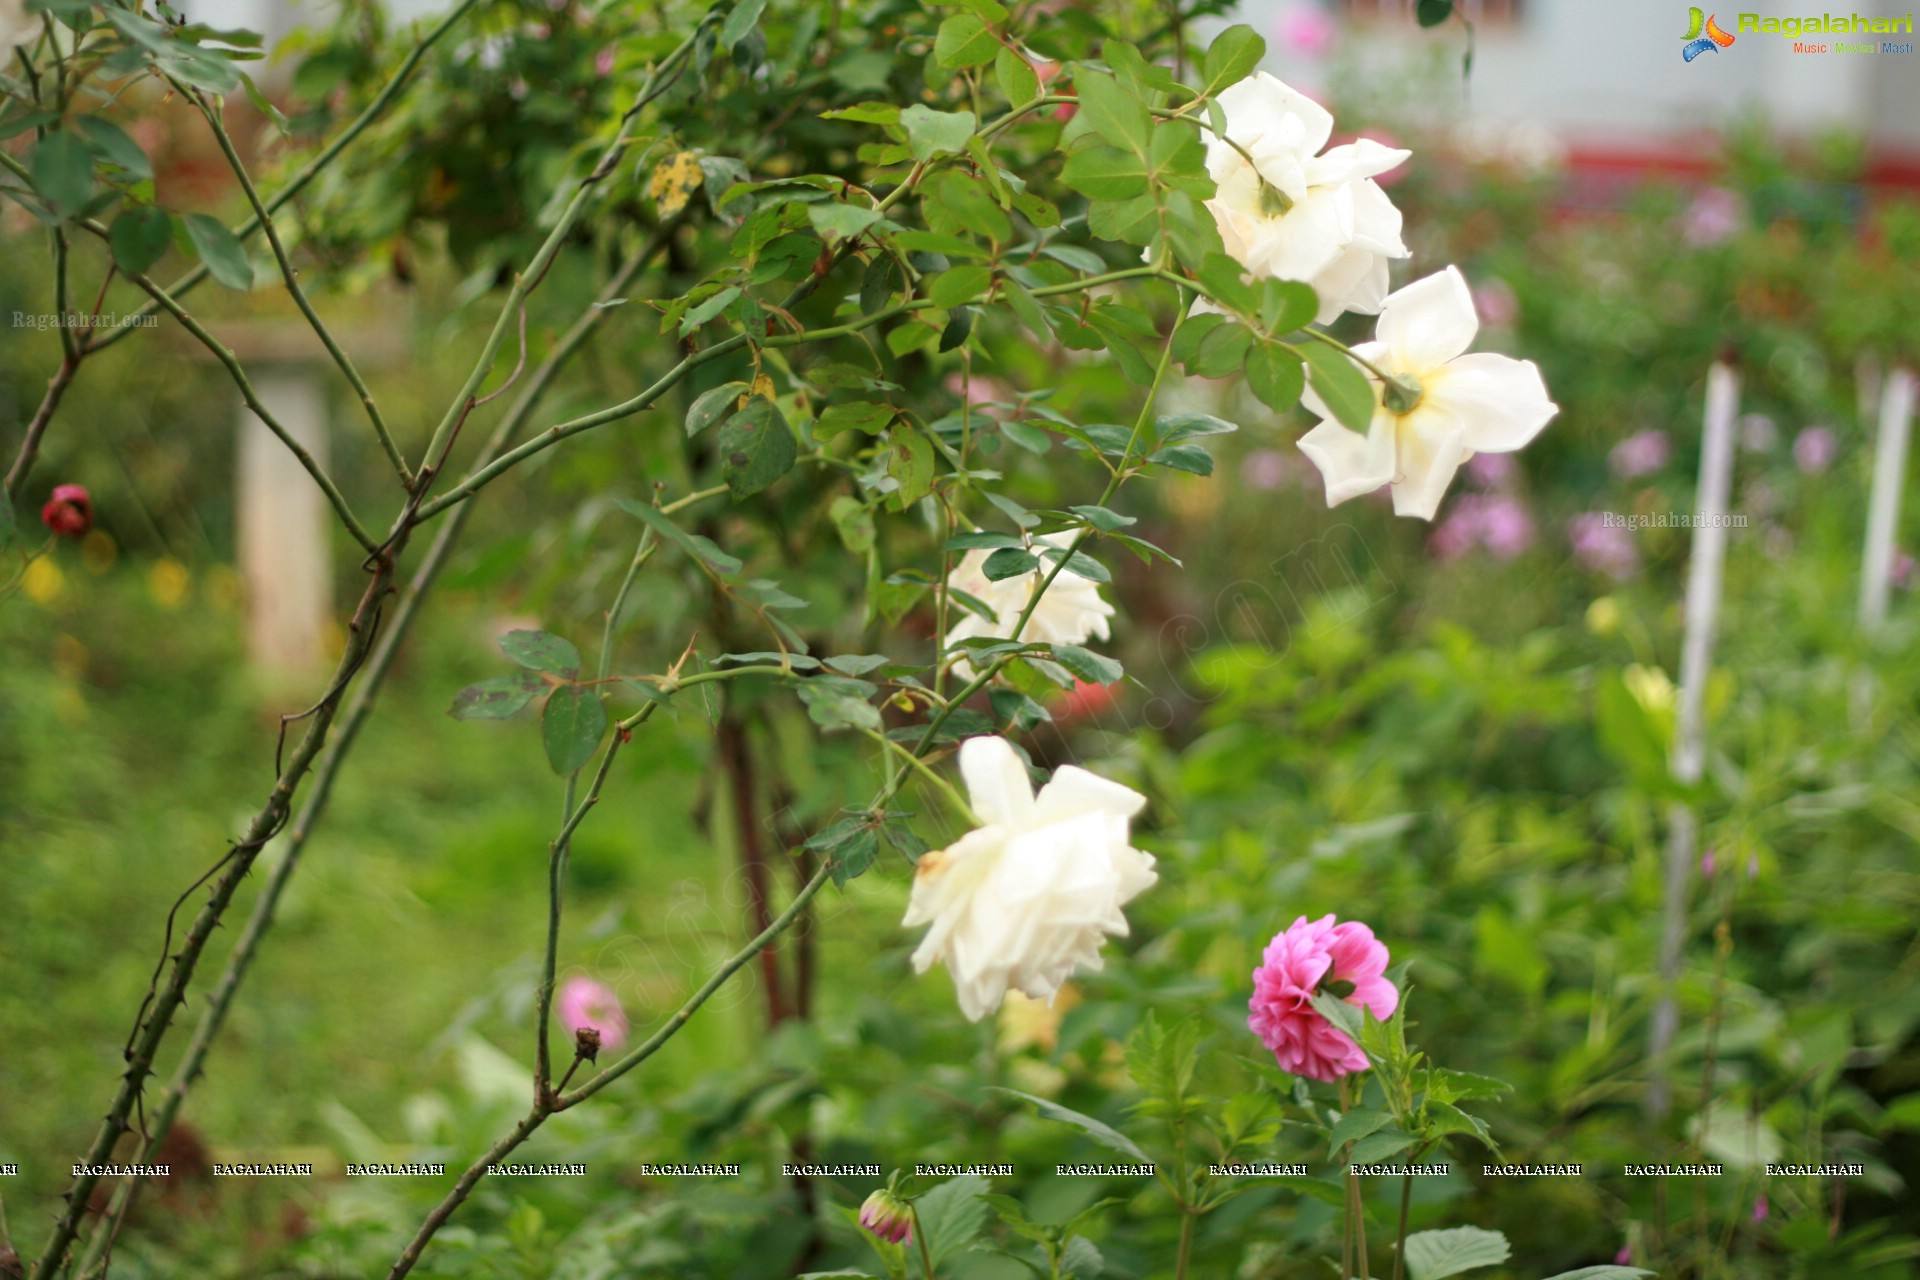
(1603, 617)
(43, 583)
(168, 582)
(1650, 688)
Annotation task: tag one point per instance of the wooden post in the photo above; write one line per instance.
(1702, 610)
(283, 526)
(1883, 508)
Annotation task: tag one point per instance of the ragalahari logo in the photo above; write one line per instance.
(1703, 35)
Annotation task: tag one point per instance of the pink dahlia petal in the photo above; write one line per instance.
(1306, 957)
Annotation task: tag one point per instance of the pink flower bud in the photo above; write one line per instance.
(69, 512)
(887, 1217)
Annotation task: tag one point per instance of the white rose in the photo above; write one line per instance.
(1030, 898)
(1071, 611)
(1466, 404)
(18, 28)
(1318, 219)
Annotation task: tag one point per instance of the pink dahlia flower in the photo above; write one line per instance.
(1314, 956)
(586, 1003)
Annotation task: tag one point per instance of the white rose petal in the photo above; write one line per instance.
(1468, 404)
(1340, 229)
(1070, 612)
(1029, 899)
(18, 28)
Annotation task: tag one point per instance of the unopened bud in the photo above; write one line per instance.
(586, 1044)
(888, 1217)
(69, 512)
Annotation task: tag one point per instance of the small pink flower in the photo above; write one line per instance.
(1491, 470)
(1715, 215)
(1603, 548)
(69, 512)
(1760, 1210)
(1265, 469)
(1498, 522)
(1494, 300)
(1815, 449)
(1901, 571)
(603, 62)
(586, 1003)
(1708, 863)
(1758, 432)
(1640, 454)
(1305, 958)
(1309, 31)
(1624, 1257)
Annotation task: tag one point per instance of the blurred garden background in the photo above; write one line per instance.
(1458, 731)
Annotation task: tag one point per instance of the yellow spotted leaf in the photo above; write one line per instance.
(674, 182)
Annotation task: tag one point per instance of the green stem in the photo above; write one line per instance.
(1187, 1221)
(264, 217)
(920, 1238)
(1400, 1236)
(926, 771)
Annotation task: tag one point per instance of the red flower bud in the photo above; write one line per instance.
(69, 512)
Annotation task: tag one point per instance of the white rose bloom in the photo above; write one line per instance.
(1339, 229)
(18, 28)
(1071, 611)
(1030, 898)
(1467, 404)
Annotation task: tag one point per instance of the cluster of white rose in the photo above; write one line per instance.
(1030, 898)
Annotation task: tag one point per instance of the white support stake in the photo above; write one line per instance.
(1702, 611)
(1883, 509)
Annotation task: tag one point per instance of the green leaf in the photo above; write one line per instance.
(1444, 1118)
(959, 325)
(1286, 305)
(710, 407)
(962, 284)
(709, 309)
(1341, 386)
(983, 539)
(756, 448)
(113, 145)
(853, 522)
(1608, 1272)
(1009, 562)
(1232, 57)
(877, 285)
(1190, 458)
(1188, 426)
(495, 699)
(542, 651)
(1434, 1255)
(1102, 519)
(843, 221)
(910, 463)
(1114, 114)
(745, 15)
(62, 169)
(571, 727)
(1092, 667)
(833, 707)
(1018, 80)
(964, 41)
(139, 238)
(851, 858)
(869, 416)
(933, 133)
(1379, 1146)
(858, 664)
(218, 248)
(1432, 13)
(1464, 1086)
(693, 544)
(1355, 1125)
(1106, 1135)
(952, 1215)
(1276, 376)
(1105, 173)
(1223, 351)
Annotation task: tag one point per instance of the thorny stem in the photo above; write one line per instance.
(328, 768)
(264, 217)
